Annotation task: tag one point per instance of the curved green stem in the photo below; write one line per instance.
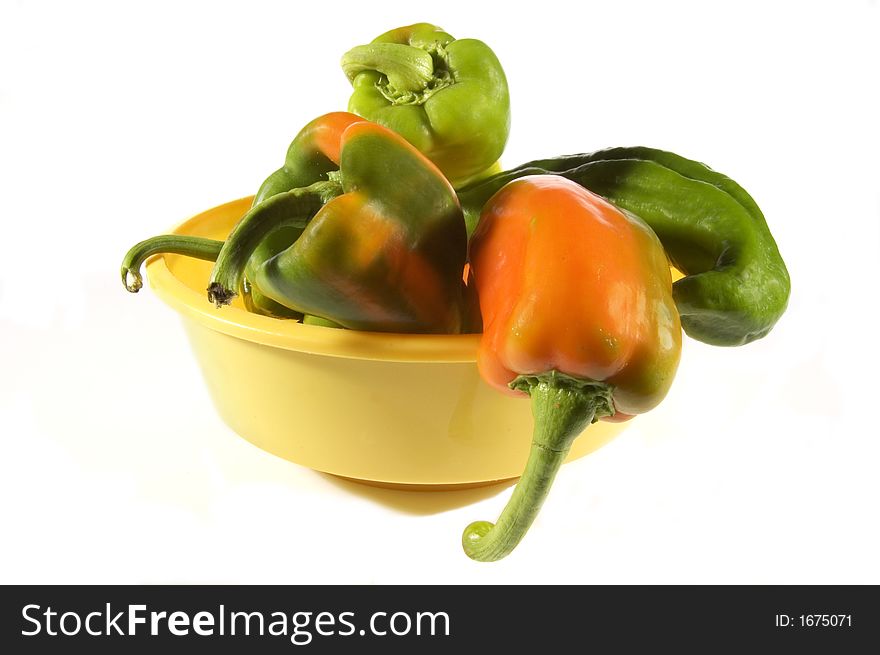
(562, 407)
(407, 68)
(293, 208)
(198, 247)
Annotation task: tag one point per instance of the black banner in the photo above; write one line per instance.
(336, 619)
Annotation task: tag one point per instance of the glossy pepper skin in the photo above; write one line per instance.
(311, 156)
(735, 286)
(576, 300)
(447, 97)
(383, 244)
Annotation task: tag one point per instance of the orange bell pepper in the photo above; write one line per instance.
(577, 308)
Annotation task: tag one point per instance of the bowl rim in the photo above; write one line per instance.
(291, 335)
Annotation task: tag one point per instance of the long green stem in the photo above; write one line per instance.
(295, 207)
(198, 247)
(562, 407)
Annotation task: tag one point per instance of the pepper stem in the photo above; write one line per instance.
(198, 247)
(562, 407)
(295, 208)
(407, 68)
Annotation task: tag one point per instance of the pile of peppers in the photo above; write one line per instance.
(395, 216)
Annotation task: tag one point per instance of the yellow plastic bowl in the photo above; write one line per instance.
(400, 409)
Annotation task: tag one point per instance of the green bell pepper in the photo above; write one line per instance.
(447, 97)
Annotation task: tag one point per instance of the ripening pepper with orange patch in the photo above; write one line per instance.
(577, 309)
(382, 245)
(357, 229)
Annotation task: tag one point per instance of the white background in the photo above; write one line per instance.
(118, 121)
